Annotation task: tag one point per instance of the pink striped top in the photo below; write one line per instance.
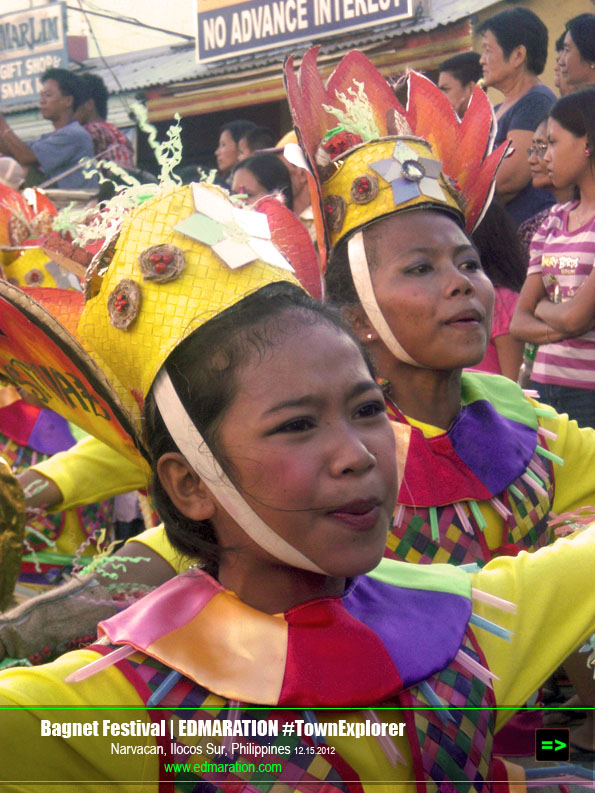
(564, 259)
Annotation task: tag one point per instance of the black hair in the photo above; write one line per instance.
(260, 138)
(464, 67)
(94, 88)
(203, 370)
(499, 248)
(271, 172)
(582, 32)
(576, 113)
(559, 45)
(237, 129)
(69, 84)
(519, 26)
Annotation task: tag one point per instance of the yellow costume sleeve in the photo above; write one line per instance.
(87, 757)
(90, 472)
(156, 540)
(555, 598)
(575, 480)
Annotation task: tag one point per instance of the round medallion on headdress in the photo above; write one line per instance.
(364, 189)
(334, 212)
(161, 263)
(34, 277)
(123, 304)
(413, 170)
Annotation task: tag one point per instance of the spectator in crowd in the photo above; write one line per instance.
(556, 308)
(227, 151)
(255, 140)
(457, 78)
(577, 62)
(302, 202)
(108, 142)
(260, 175)
(502, 261)
(560, 81)
(540, 178)
(514, 52)
(56, 152)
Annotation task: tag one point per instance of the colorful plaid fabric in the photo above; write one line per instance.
(457, 752)
(527, 529)
(302, 767)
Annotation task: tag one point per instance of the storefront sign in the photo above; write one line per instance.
(236, 27)
(31, 41)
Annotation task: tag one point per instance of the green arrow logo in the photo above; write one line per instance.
(559, 745)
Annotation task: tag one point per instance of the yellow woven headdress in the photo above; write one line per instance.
(180, 259)
(371, 157)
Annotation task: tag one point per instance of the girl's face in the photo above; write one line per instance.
(246, 183)
(539, 173)
(565, 158)
(312, 451)
(429, 285)
(573, 68)
(226, 152)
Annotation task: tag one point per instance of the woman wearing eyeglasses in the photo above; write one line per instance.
(541, 179)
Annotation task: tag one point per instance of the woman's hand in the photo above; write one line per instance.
(525, 325)
(573, 317)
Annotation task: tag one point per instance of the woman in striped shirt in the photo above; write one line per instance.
(556, 308)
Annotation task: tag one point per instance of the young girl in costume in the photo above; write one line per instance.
(395, 211)
(556, 308)
(275, 461)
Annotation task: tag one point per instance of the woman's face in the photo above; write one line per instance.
(537, 165)
(495, 65)
(312, 451)
(565, 157)
(574, 69)
(429, 285)
(245, 182)
(226, 152)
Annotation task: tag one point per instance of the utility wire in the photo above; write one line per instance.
(130, 21)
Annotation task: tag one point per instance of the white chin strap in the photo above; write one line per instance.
(360, 272)
(192, 445)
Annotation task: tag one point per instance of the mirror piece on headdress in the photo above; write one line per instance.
(237, 236)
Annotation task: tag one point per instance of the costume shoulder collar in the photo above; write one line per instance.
(389, 630)
(495, 416)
